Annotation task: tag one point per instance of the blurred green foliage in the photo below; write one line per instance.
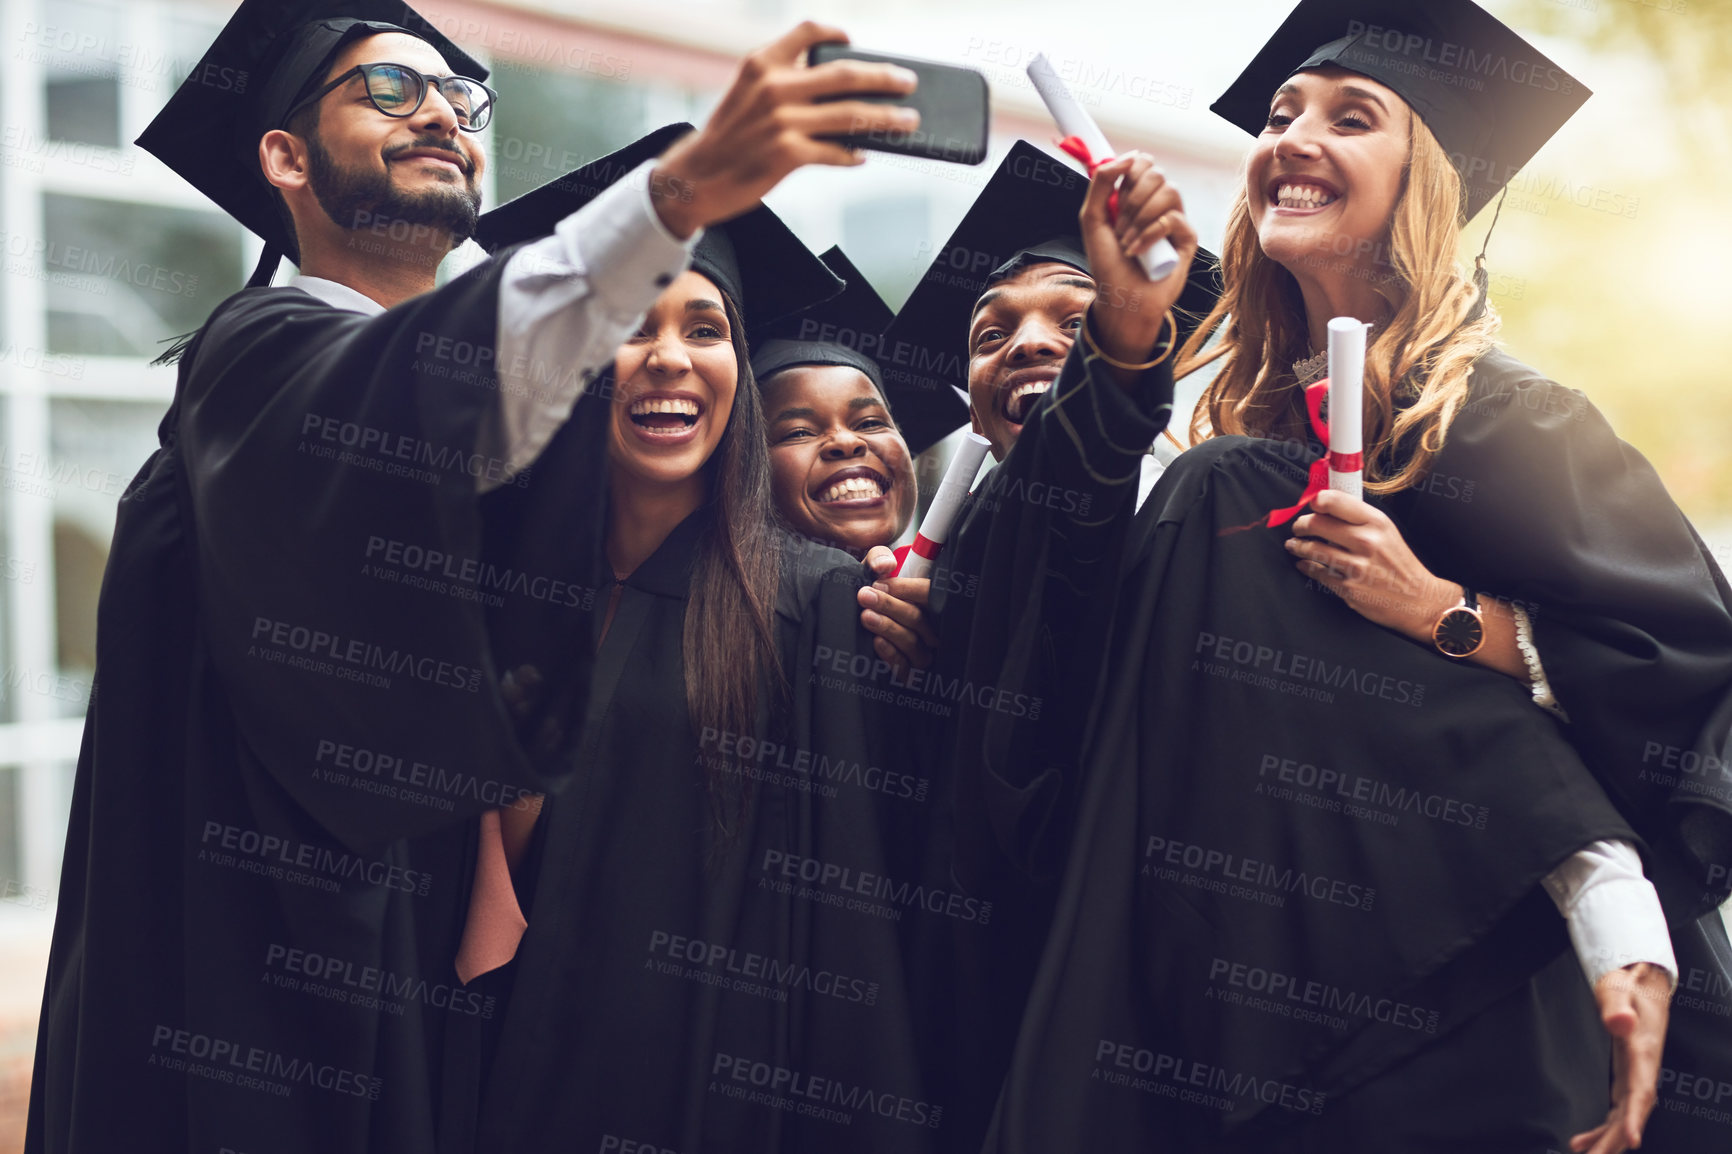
(1614, 273)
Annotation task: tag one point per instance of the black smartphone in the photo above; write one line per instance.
(953, 104)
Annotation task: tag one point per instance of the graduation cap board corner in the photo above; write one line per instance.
(848, 329)
(1489, 96)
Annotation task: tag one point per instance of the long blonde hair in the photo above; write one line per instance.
(1419, 361)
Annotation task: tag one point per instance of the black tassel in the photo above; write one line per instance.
(263, 273)
(177, 347)
(1481, 277)
(266, 268)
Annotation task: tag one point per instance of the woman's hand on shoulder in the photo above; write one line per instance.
(893, 610)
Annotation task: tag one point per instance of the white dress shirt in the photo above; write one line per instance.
(1612, 909)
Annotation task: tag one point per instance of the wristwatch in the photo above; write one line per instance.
(1460, 630)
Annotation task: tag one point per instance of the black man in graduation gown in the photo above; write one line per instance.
(1000, 309)
(1246, 952)
(311, 646)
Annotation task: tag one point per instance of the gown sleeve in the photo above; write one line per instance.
(566, 301)
(332, 473)
(1017, 592)
(1534, 499)
(1049, 525)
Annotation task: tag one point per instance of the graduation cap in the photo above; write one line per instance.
(1026, 214)
(765, 269)
(1491, 98)
(848, 329)
(269, 55)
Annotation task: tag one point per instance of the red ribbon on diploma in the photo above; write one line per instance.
(1073, 146)
(1318, 480)
(924, 546)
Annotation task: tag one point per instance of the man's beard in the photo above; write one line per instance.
(356, 198)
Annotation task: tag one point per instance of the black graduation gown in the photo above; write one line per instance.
(1536, 498)
(1694, 1111)
(1305, 848)
(693, 991)
(297, 676)
(1024, 590)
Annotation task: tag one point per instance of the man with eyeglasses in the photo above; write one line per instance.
(427, 191)
(338, 612)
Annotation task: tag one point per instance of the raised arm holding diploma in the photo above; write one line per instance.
(1083, 140)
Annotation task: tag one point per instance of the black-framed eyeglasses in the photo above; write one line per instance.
(398, 90)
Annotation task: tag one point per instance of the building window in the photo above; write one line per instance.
(550, 122)
(121, 277)
(77, 47)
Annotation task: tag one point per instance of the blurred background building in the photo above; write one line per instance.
(1608, 264)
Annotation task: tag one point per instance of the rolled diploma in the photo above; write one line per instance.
(946, 503)
(1346, 399)
(1074, 120)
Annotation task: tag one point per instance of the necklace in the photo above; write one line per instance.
(1311, 368)
(1314, 366)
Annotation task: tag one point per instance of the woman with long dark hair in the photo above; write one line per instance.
(698, 945)
(1316, 869)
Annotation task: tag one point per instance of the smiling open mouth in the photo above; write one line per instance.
(665, 414)
(1019, 402)
(1304, 196)
(858, 484)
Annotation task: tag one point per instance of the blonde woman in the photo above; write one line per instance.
(1334, 832)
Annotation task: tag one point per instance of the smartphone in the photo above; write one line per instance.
(953, 103)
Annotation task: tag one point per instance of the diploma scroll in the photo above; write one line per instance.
(1346, 404)
(946, 503)
(1075, 124)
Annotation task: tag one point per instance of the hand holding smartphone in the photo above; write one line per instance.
(769, 123)
(953, 103)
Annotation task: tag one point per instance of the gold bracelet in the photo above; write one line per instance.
(1172, 343)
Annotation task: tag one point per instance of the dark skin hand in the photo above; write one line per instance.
(894, 610)
(1129, 311)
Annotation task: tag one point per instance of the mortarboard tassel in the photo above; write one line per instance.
(270, 258)
(261, 278)
(1482, 278)
(177, 347)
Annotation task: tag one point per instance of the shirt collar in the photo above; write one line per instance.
(338, 296)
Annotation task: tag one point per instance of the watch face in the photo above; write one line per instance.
(1459, 632)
